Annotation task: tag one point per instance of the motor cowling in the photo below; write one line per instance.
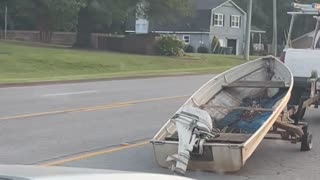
(194, 126)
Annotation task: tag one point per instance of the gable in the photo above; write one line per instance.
(229, 7)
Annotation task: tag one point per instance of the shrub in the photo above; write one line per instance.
(170, 46)
(189, 49)
(203, 49)
(215, 45)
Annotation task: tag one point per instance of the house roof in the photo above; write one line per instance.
(306, 40)
(308, 35)
(214, 4)
(131, 23)
(200, 22)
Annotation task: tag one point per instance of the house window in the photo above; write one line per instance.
(235, 21)
(186, 39)
(218, 20)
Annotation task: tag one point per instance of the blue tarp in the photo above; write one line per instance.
(238, 121)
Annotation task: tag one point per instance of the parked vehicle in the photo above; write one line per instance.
(304, 63)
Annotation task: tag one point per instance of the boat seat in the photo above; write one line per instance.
(223, 138)
(232, 108)
(231, 138)
(256, 84)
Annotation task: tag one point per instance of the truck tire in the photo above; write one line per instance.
(300, 116)
(306, 143)
(303, 112)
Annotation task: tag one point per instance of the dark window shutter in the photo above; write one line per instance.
(224, 20)
(240, 22)
(230, 21)
(213, 18)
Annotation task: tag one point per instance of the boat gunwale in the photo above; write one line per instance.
(246, 148)
(191, 98)
(155, 142)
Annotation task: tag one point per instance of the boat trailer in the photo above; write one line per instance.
(290, 125)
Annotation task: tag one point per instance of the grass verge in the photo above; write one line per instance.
(20, 63)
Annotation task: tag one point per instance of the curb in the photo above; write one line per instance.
(26, 84)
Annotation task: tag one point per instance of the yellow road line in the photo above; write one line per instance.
(155, 99)
(94, 108)
(66, 111)
(105, 108)
(93, 154)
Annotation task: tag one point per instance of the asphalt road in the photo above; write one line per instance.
(40, 123)
(102, 124)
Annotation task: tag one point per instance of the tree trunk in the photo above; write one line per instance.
(43, 24)
(84, 29)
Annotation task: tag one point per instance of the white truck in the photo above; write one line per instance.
(304, 63)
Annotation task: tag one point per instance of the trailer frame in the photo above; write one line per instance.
(290, 125)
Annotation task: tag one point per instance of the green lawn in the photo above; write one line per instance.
(23, 63)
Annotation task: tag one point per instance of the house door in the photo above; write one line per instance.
(233, 43)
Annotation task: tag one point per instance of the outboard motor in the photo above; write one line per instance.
(194, 127)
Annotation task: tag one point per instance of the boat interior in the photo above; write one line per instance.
(241, 102)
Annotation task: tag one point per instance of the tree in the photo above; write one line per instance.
(107, 16)
(44, 15)
(53, 15)
(166, 10)
(110, 16)
(262, 18)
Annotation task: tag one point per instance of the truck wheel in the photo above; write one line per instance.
(303, 112)
(306, 140)
(299, 116)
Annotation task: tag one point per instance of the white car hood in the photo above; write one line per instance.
(61, 173)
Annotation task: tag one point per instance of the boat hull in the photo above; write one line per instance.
(225, 157)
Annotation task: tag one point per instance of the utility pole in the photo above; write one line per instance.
(248, 33)
(275, 29)
(5, 21)
(316, 31)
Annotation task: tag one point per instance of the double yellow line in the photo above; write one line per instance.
(92, 154)
(90, 109)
